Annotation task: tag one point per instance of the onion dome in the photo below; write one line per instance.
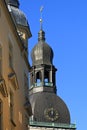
(47, 107)
(42, 53)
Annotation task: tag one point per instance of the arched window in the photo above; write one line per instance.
(46, 79)
(38, 78)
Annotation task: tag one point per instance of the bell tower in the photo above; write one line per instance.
(48, 109)
(42, 74)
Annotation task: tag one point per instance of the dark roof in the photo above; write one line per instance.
(13, 2)
(44, 101)
(42, 53)
(18, 16)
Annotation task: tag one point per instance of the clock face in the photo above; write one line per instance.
(51, 114)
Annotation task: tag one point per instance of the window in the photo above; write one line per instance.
(46, 80)
(11, 106)
(13, 125)
(0, 61)
(38, 79)
(10, 56)
(26, 85)
(0, 115)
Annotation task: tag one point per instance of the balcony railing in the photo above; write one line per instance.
(40, 84)
(52, 125)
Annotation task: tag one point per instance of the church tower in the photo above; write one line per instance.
(48, 110)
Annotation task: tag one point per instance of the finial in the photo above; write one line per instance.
(41, 20)
(41, 34)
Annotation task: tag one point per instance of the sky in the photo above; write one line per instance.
(65, 26)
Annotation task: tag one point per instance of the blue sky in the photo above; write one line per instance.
(65, 25)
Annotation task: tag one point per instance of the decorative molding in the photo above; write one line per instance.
(3, 88)
(13, 78)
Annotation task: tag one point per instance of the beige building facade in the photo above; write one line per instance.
(14, 68)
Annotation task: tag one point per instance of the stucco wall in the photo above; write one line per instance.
(7, 34)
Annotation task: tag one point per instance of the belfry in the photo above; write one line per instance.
(48, 109)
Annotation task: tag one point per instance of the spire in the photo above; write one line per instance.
(41, 34)
(41, 20)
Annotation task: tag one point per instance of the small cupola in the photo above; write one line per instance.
(42, 72)
(42, 53)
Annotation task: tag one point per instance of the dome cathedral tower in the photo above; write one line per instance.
(43, 71)
(46, 105)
